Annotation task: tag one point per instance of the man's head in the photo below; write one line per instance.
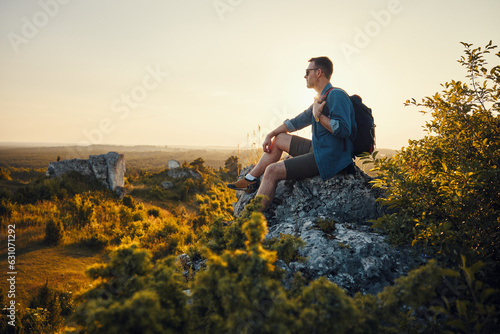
(319, 72)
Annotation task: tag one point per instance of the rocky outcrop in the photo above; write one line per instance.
(167, 185)
(175, 171)
(108, 168)
(348, 253)
(173, 164)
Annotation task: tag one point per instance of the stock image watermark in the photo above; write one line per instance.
(365, 34)
(222, 7)
(121, 108)
(32, 25)
(11, 275)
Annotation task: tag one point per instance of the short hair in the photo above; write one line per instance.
(325, 64)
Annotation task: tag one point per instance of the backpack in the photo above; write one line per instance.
(365, 137)
(364, 142)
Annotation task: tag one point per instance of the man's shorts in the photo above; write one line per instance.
(303, 164)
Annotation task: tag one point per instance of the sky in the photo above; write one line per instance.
(219, 72)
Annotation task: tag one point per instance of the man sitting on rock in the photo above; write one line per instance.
(331, 148)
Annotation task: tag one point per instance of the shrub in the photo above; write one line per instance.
(6, 207)
(128, 201)
(83, 211)
(287, 247)
(47, 299)
(95, 241)
(239, 286)
(443, 189)
(325, 225)
(130, 296)
(155, 212)
(54, 232)
(67, 303)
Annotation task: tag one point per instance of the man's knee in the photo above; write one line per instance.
(283, 140)
(275, 171)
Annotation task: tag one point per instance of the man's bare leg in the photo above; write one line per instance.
(280, 144)
(274, 173)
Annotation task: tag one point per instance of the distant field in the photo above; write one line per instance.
(136, 157)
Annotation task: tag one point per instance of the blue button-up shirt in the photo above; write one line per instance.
(333, 151)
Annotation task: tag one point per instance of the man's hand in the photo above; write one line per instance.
(268, 142)
(318, 108)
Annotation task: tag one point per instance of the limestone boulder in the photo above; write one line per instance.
(108, 168)
(350, 253)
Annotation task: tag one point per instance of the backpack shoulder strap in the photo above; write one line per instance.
(328, 91)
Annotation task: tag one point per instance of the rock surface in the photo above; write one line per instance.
(350, 254)
(108, 168)
(167, 185)
(175, 171)
(173, 164)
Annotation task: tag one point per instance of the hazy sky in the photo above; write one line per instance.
(210, 72)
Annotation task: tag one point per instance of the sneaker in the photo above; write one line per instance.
(244, 184)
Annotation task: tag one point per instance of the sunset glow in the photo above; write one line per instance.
(202, 73)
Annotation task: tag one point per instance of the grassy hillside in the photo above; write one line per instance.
(85, 258)
(65, 225)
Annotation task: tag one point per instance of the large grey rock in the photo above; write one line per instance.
(177, 173)
(344, 197)
(173, 164)
(354, 258)
(108, 168)
(352, 255)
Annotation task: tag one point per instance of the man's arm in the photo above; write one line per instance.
(339, 120)
(319, 117)
(300, 121)
(266, 146)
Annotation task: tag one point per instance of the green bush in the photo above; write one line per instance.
(96, 240)
(325, 225)
(287, 247)
(61, 187)
(6, 207)
(128, 201)
(155, 212)
(132, 296)
(83, 211)
(47, 299)
(67, 303)
(54, 232)
(443, 189)
(239, 293)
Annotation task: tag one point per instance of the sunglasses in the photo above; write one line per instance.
(311, 69)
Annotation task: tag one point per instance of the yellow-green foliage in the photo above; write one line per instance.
(231, 237)
(54, 232)
(238, 293)
(325, 225)
(287, 247)
(44, 314)
(323, 307)
(5, 174)
(443, 189)
(141, 289)
(133, 296)
(233, 167)
(97, 220)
